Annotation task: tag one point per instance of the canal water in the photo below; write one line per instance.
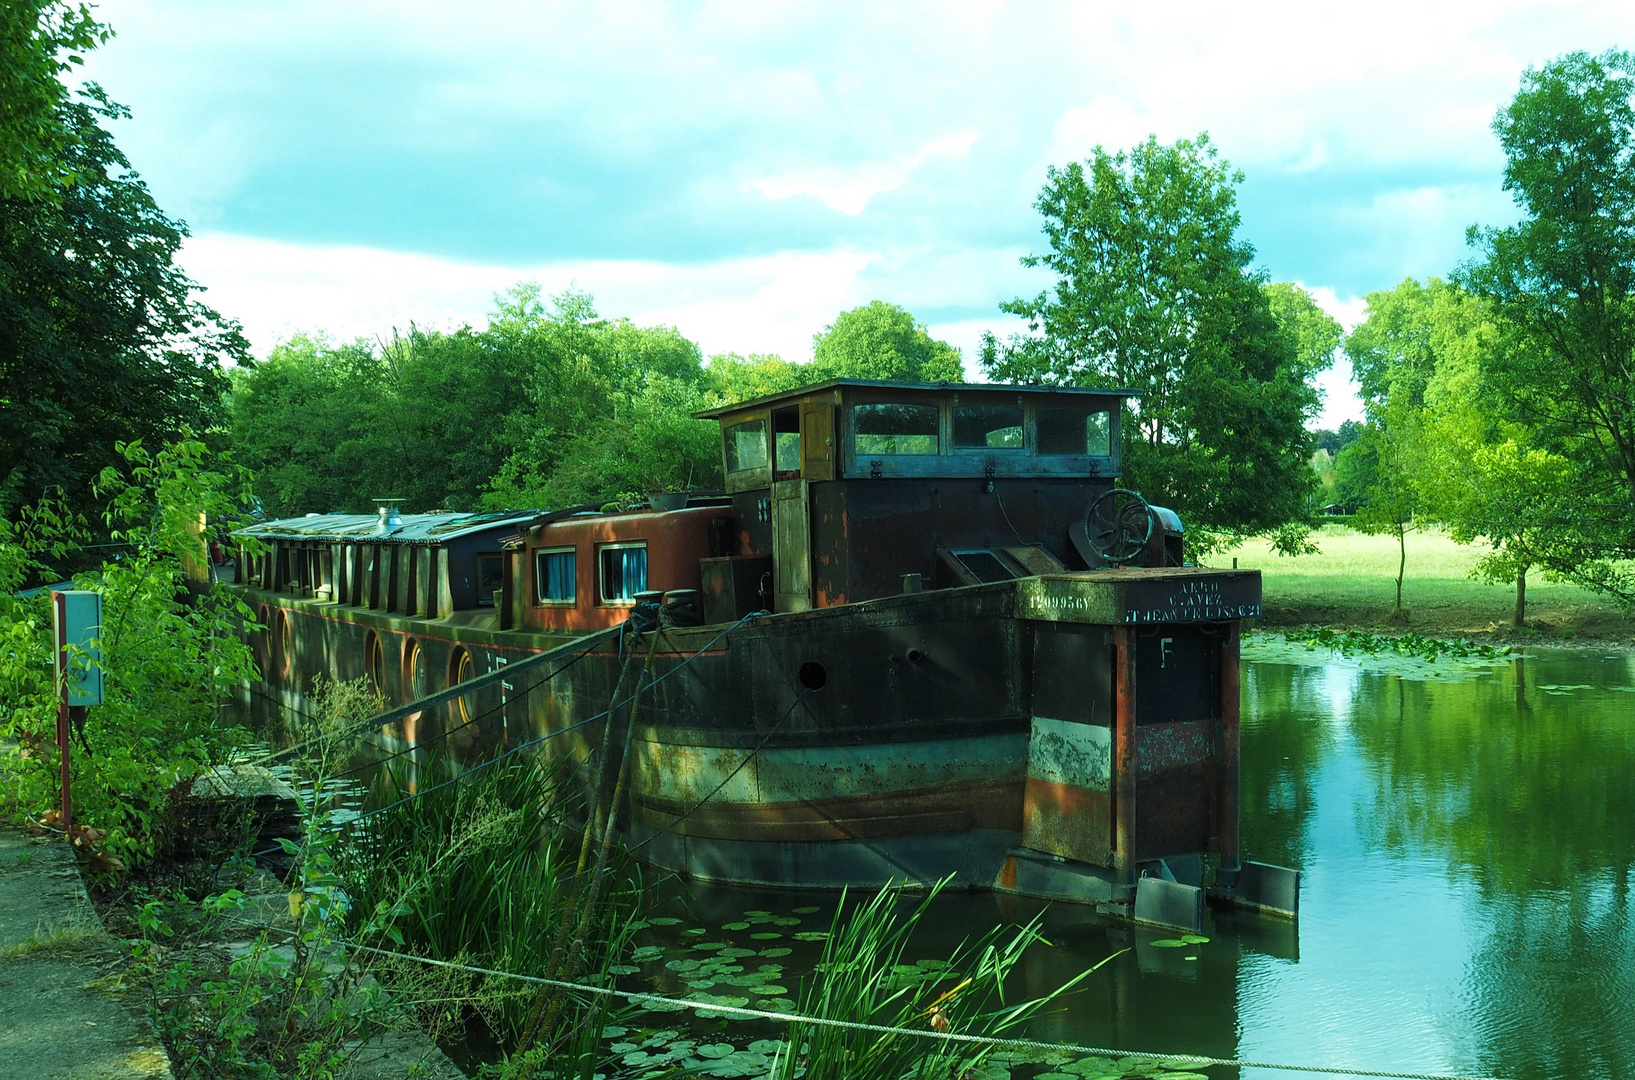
(1465, 832)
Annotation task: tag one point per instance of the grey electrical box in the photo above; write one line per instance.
(78, 621)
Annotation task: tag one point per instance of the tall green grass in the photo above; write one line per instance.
(481, 872)
(863, 978)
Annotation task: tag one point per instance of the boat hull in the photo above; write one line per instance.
(909, 739)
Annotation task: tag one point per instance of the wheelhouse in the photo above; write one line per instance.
(853, 489)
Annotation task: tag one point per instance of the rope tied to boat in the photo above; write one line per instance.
(637, 997)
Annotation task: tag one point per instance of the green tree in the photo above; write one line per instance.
(170, 658)
(1154, 291)
(1560, 282)
(882, 341)
(40, 43)
(1421, 356)
(731, 378)
(101, 338)
(1375, 475)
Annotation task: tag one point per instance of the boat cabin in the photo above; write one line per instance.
(427, 565)
(854, 489)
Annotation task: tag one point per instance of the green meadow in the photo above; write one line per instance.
(1351, 583)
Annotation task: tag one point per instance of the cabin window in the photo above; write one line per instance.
(556, 576)
(786, 442)
(490, 577)
(1075, 431)
(746, 446)
(623, 570)
(895, 429)
(987, 427)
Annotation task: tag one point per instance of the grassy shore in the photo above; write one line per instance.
(1351, 583)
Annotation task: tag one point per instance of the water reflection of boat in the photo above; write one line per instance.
(921, 633)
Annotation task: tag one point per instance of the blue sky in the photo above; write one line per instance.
(745, 172)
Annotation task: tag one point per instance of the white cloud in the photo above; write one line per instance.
(850, 190)
(771, 303)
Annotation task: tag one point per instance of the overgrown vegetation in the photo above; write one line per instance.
(171, 654)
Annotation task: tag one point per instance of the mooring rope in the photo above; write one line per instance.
(640, 690)
(440, 697)
(677, 1004)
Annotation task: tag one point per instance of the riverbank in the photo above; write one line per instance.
(1351, 584)
(62, 1012)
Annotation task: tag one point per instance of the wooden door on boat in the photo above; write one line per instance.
(791, 546)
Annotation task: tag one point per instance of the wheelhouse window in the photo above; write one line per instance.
(1076, 431)
(987, 427)
(786, 443)
(556, 575)
(895, 429)
(623, 570)
(746, 446)
(490, 577)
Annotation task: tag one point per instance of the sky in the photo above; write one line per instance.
(745, 172)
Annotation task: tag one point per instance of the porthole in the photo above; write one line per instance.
(414, 683)
(813, 676)
(374, 658)
(460, 668)
(285, 636)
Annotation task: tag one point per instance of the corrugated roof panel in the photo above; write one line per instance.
(414, 528)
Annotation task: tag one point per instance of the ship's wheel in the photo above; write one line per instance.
(1119, 525)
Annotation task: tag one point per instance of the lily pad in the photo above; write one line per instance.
(777, 1004)
(785, 922)
(766, 935)
(810, 935)
(647, 952)
(715, 1050)
(777, 950)
(736, 954)
(1169, 943)
(623, 969)
(807, 910)
(735, 926)
(1194, 939)
(662, 920)
(696, 931)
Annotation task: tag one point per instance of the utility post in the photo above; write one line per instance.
(77, 621)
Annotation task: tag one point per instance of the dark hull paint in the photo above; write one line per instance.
(911, 763)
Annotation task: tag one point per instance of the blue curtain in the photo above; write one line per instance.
(557, 575)
(633, 568)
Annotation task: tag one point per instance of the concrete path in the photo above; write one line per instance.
(55, 957)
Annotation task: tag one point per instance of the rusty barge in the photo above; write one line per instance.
(922, 633)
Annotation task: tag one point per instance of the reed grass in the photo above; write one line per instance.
(863, 978)
(481, 872)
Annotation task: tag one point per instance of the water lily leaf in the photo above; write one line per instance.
(710, 946)
(1194, 939)
(766, 935)
(778, 950)
(662, 920)
(785, 922)
(622, 1047)
(766, 1046)
(623, 969)
(1054, 1076)
(682, 965)
(777, 1004)
(757, 912)
(1168, 943)
(647, 952)
(807, 910)
(810, 935)
(715, 1050)
(700, 984)
(664, 1006)
(780, 990)
(736, 954)
(696, 930)
(735, 926)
